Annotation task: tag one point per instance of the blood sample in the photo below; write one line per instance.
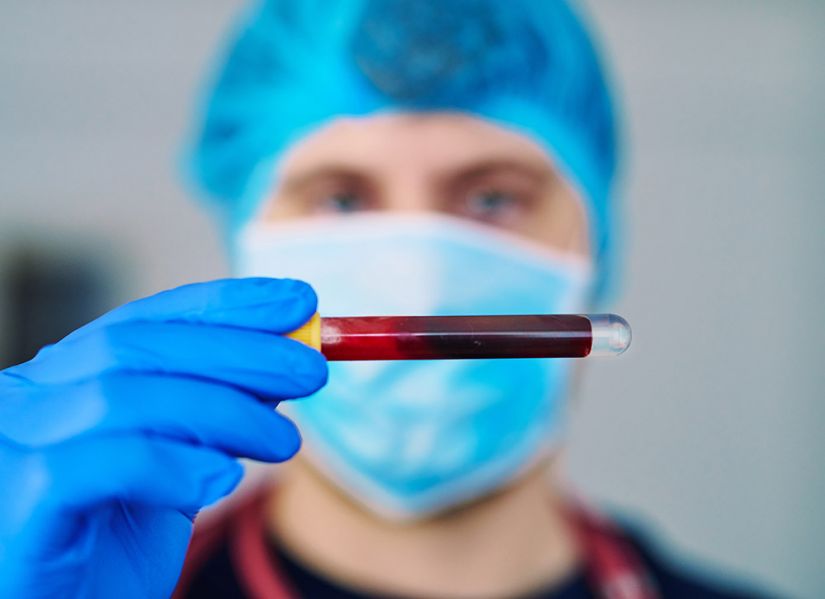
(466, 337)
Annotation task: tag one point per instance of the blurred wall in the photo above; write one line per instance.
(712, 425)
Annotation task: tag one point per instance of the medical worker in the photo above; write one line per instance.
(362, 157)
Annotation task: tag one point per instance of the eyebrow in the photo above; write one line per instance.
(535, 169)
(541, 172)
(301, 179)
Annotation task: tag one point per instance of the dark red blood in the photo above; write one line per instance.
(454, 337)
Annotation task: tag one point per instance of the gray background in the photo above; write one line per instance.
(712, 426)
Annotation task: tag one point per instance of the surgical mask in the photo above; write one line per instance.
(409, 439)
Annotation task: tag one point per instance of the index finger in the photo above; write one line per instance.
(261, 304)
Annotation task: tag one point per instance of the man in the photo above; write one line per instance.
(402, 157)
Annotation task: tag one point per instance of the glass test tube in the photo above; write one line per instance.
(465, 337)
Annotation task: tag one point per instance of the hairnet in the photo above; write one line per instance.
(291, 66)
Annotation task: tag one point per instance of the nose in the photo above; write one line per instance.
(408, 193)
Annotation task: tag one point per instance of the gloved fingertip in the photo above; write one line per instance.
(302, 295)
(285, 440)
(295, 289)
(305, 366)
(276, 305)
(301, 289)
(312, 373)
(221, 483)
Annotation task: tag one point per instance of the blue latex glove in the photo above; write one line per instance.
(112, 439)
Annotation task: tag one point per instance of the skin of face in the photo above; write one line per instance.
(463, 166)
(445, 163)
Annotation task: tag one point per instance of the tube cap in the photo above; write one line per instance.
(310, 333)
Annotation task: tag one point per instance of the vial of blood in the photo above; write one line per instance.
(466, 337)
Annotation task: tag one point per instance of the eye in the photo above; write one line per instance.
(342, 202)
(491, 204)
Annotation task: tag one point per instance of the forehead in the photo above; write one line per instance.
(431, 142)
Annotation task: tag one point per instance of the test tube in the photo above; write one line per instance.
(362, 338)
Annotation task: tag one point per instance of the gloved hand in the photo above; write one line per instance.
(112, 439)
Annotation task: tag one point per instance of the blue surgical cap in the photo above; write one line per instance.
(291, 66)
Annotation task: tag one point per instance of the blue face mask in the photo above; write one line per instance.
(408, 439)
